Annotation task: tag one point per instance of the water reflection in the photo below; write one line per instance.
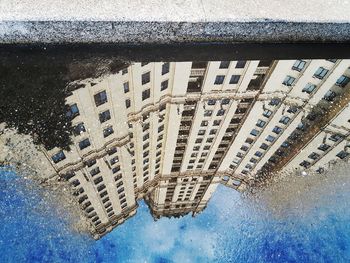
(171, 132)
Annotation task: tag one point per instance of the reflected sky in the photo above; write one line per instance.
(231, 229)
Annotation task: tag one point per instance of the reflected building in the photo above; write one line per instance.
(170, 133)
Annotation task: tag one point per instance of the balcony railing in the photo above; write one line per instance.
(261, 70)
(197, 72)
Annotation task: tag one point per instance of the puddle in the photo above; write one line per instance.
(255, 150)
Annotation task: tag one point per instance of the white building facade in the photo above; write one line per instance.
(171, 132)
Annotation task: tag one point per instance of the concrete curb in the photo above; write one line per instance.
(137, 32)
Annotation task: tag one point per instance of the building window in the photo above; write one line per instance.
(235, 121)
(126, 87)
(75, 182)
(58, 157)
(225, 101)
(249, 140)
(275, 102)
(95, 171)
(114, 160)
(342, 81)
(270, 138)
(320, 73)
(105, 200)
(314, 156)
(165, 68)
(79, 129)
(267, 113)
(285, 144)
(219, 79)
(201, 132)
(244, 148)
(220, 112)
(234, 79)
(84, 144)
(98, 180)
(288, 81)
(204, 123)
(116, 169)
(73, 111)
(145, 117)
(240, 64)
(305, 164)
(216, 122)
(253, 160)
(145, 126)
(232, 166)
(260, 123)
(277, 130)
(164, 85)
(208, 113)
(90, 209)
(301, 126)
(145, 146)
(146, 78)
(211, 102)
(264, 146)
(213, 131)
(254, 132)
(108, 131)
(146, 137)
(100, 98)
(127, 103)
(258, 153)
(91, 162)
(292, 109)
(309, 88)
(112, 150)
(324, 147)
(299, 65)
(284, 120)
(146, 94)
(224, 64)
(342, 154)
(248, 166)
(104, 116)
(330, 95)
(198, 140)
(335, 137)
